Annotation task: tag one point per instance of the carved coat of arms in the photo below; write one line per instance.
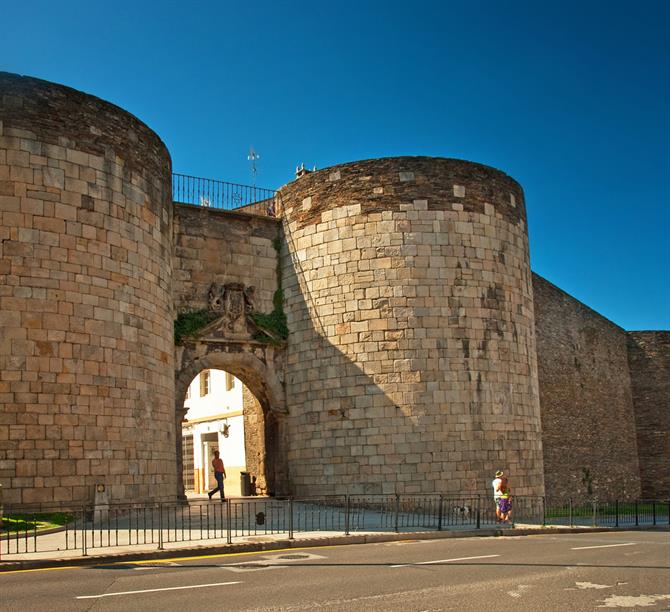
(233, 301)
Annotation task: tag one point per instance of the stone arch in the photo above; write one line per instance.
(255, 367)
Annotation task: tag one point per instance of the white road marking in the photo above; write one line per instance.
(629, 601)
(445, 560)
(604, 546)
(192, 586)
(591, 585)
(521, 589)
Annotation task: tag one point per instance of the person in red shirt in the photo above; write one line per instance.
(219, 474)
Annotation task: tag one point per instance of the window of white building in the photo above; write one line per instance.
(205, 383)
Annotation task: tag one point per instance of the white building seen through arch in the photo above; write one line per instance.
(214, 421)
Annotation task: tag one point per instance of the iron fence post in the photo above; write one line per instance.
(160, 525)
(229, 529)
(653, 512)
(397, 512)
(290, 518)
(594, 520)
(544, 511)
(637, 516)
(439, 513)
(570, 511)
(479, 512)
(346, 514)
(83, 531)
(616, 512)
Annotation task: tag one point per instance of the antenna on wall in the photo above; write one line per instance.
(252, 157)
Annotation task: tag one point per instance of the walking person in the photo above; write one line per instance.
(219, 474)
(497, 493)
(502, 497)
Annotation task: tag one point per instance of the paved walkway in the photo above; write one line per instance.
(246, 524)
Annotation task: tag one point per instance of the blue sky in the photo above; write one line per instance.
(569, 98)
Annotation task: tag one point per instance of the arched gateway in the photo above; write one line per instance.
(226, 272)
(255, 365)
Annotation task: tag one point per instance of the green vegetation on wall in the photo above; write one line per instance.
(272, 327)
(189, 322)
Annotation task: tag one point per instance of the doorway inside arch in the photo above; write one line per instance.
(223, 414)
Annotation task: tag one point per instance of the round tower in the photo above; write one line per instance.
(86, 338)
(411, 356)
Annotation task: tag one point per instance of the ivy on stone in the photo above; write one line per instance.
(272, 327)
(189, 322)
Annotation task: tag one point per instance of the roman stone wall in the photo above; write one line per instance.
(86, 351)
(649, 361)
(588, 426)
(254, 439)
(218, 247)
(411, 356)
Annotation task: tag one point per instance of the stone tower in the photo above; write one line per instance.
(86, 341)
(411, 358)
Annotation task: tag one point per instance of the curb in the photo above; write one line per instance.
(335, 540)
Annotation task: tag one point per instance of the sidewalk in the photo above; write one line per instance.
(121, 554)
(204, 527)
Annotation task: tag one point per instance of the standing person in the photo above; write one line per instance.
(497, 492)
(219, 474)
(505, 500)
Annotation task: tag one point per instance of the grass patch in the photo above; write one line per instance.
(627, 509)
(39, 522)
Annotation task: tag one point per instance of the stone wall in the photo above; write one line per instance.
(411, 357)
(588, 426)
(649, 361)
(254, 440)
(86, 354)
(218, 247)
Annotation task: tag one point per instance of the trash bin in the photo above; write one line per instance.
(245, 484)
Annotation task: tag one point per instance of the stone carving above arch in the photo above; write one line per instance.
(233, 301)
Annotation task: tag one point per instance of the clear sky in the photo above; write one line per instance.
(570, 98)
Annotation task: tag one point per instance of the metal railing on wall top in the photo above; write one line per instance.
(212, 193)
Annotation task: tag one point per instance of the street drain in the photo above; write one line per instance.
(294, 557)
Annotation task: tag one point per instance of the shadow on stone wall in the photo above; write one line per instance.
(348, 433)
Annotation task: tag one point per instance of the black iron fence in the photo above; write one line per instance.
(48, 529)
(219, 194)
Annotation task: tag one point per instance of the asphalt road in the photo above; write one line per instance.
(624, 570)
